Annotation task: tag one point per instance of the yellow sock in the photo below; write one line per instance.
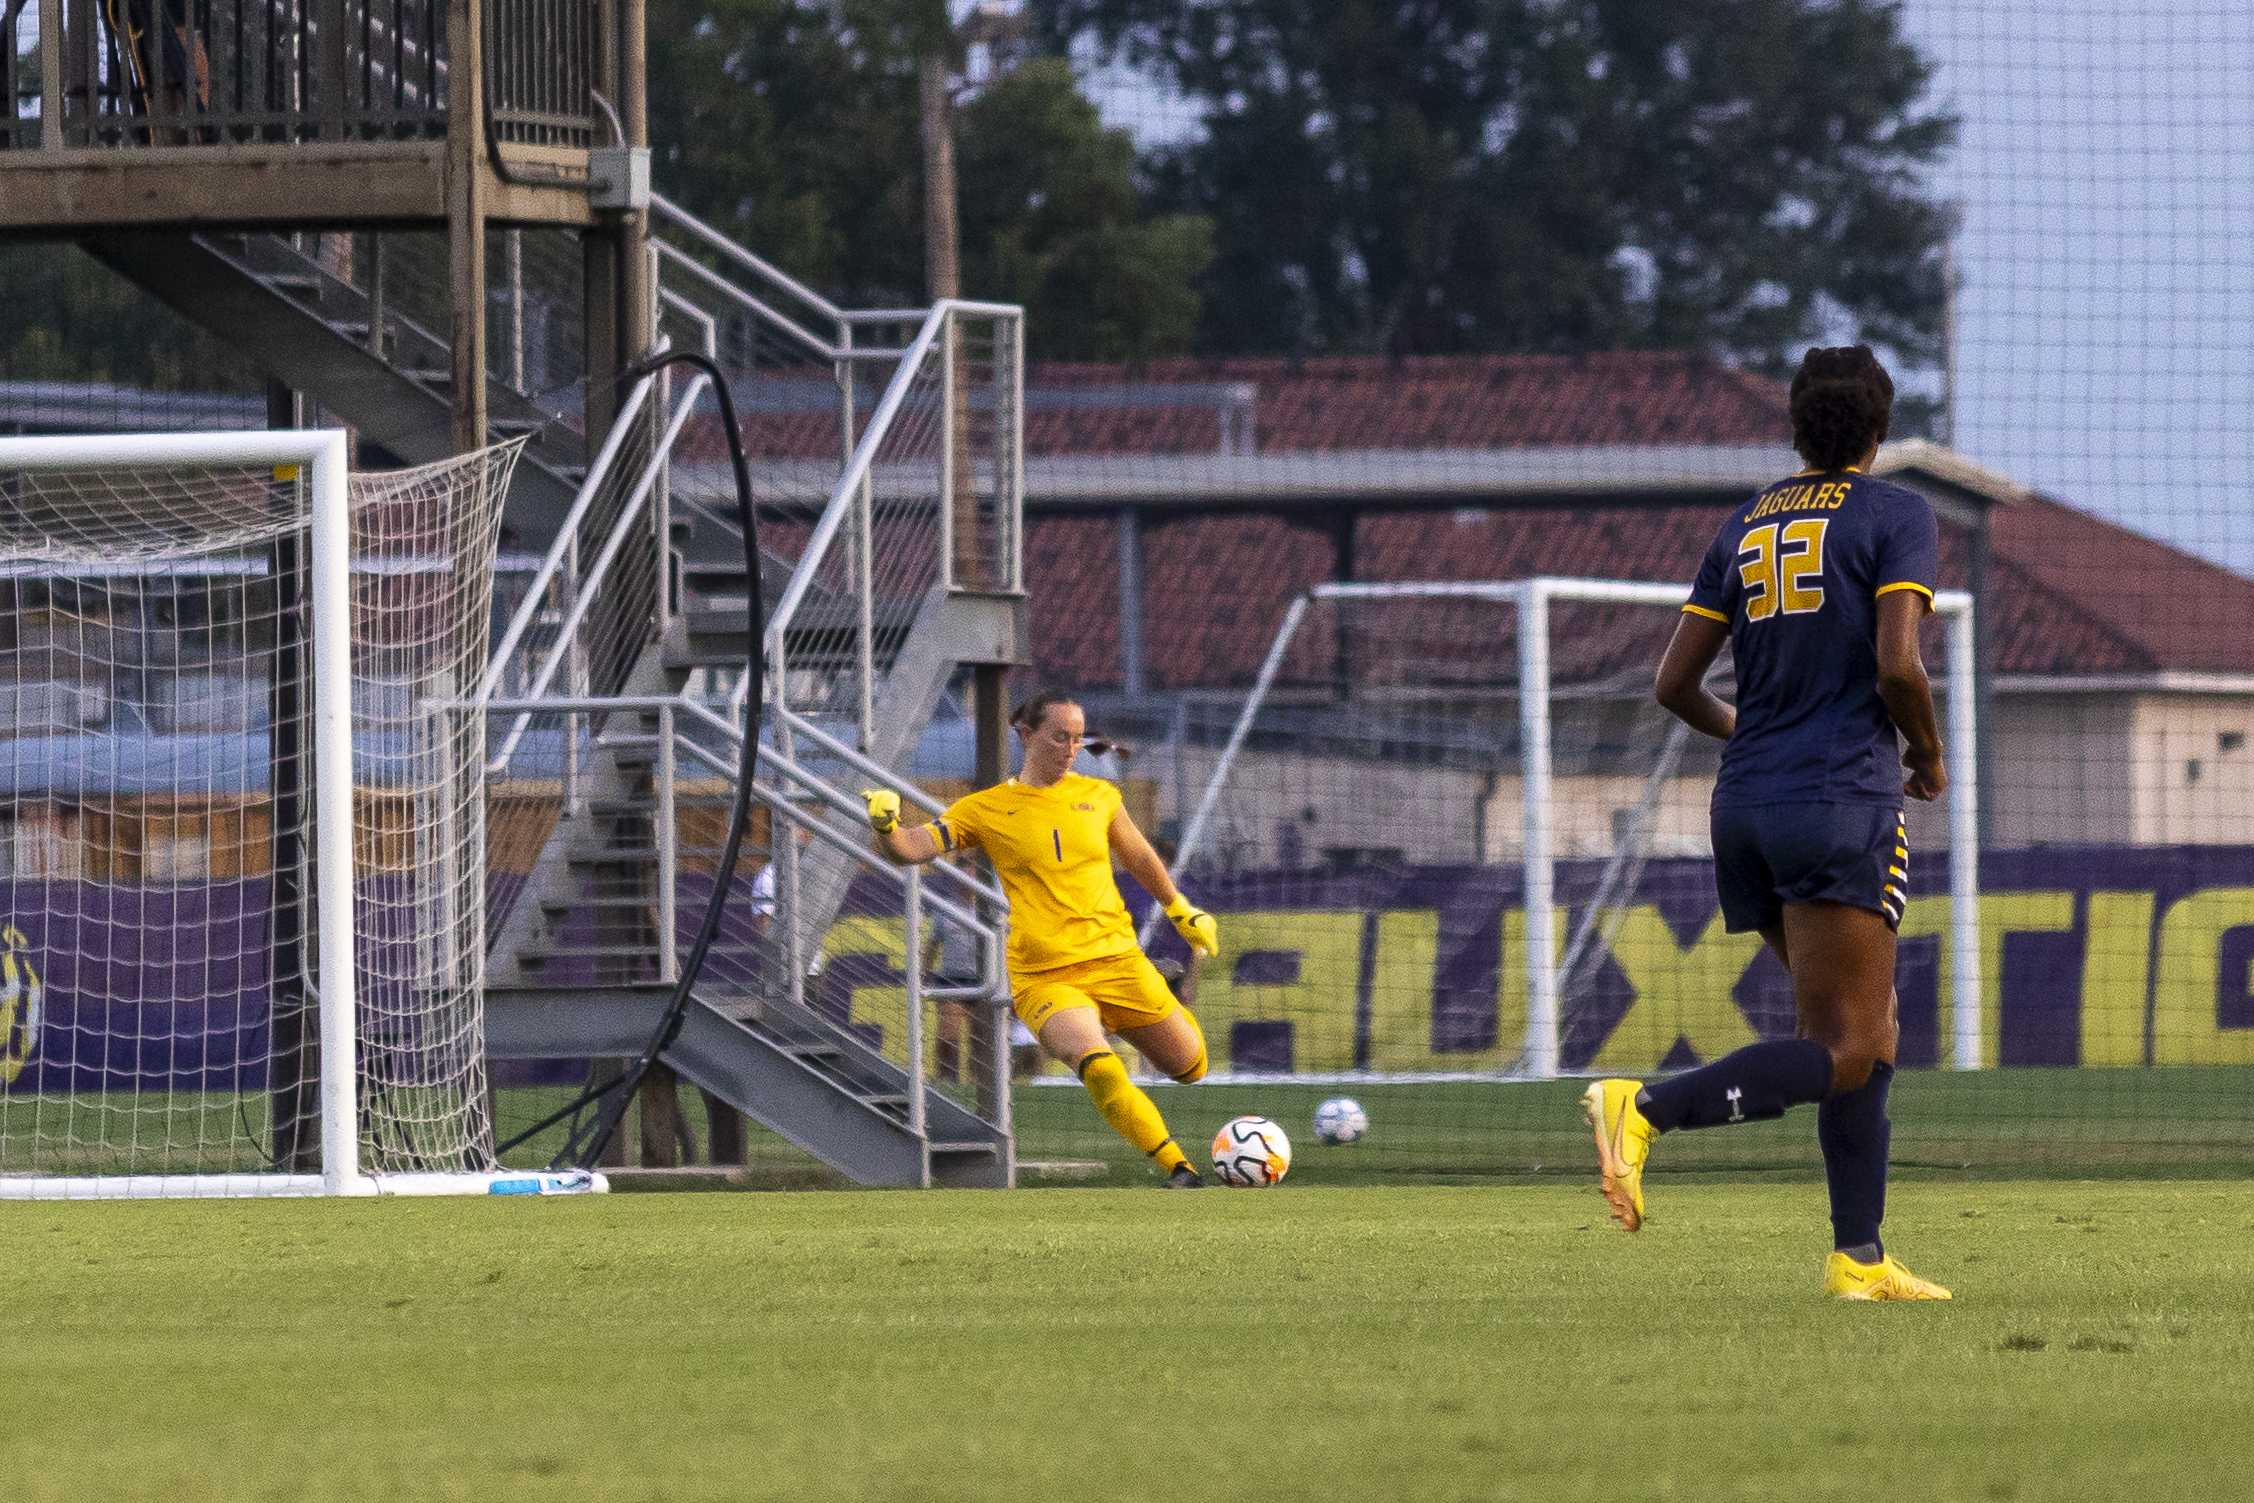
(1131, 1113)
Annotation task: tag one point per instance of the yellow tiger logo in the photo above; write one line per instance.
(20, 999)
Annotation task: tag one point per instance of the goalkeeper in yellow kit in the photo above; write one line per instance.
(1075, 967)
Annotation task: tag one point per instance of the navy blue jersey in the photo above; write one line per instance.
(1796, 574)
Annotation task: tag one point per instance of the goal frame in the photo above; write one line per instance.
(323, 457)
(1532, 598)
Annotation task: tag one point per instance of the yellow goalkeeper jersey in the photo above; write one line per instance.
(1051, 848)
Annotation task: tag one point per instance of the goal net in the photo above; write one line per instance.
(1460, 851)
(241, 817)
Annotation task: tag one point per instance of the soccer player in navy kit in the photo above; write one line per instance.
(1819, 584)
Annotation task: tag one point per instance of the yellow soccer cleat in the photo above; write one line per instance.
(1844, 1278)
(1623, 1143)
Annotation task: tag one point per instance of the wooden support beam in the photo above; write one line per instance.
(466, 171)
(356, 183)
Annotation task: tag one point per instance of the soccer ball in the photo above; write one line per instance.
(1251, 1153)
(1341, 1120)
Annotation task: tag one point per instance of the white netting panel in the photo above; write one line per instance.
(423, 543)
(1378, 799)
(158, 962)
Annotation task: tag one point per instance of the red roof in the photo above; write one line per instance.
(1423, 402)
(2068, 593)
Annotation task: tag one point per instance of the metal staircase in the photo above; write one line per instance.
(888, 462)
(325, 325)
(809, 1015)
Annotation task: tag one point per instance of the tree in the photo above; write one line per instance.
(793, 125)
(1052, 218)
(1410, 176)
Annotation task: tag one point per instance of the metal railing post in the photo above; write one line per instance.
(668, 849)
(911, 967)
(865, 591)
(1013, 507)
(569, 581)
(947, 451)
(794, 950)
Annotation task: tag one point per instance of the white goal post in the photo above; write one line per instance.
(151, 644)
(1531, 602)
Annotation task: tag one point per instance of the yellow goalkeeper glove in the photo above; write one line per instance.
(1195, 925)
(884, 809)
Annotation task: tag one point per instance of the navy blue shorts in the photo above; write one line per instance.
(1768, 855)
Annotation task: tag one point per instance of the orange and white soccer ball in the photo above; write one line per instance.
(1251, 1153)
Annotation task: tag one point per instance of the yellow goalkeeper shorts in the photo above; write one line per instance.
(1125, 990)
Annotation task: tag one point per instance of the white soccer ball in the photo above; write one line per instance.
(1251, 1153)
(1341, 1120)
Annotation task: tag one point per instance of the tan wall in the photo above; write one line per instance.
(2060, 771)
(1428, 814)
(2192, 778)
(1584, 812)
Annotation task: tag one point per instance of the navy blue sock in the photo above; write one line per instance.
(1855, 1134)
(1752, 1085)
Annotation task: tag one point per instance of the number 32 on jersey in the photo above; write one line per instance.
(1782, 567)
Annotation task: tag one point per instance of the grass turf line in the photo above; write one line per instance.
(1458, 1343)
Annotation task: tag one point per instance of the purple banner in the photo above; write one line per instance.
(2089, 956)
(165, 988)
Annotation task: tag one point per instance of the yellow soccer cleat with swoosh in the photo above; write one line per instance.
(1844, 1278)
(1623, 1143)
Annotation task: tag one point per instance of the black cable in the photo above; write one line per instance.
(576, 1153)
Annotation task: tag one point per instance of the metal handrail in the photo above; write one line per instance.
(991, 936)
(598, 474)
(832, 795)
(859, 761)
(827, 349)
(583, 596)
(843, 495)
(673, 212)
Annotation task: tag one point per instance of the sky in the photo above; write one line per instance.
(2105, 173)
(2106, 311)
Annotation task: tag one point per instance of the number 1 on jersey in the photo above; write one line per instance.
(1775, 573)
(1056, 838)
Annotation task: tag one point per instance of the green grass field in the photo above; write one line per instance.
(2019, 1123)
(1306, 1343)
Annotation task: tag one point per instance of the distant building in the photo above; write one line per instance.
(1164, 543)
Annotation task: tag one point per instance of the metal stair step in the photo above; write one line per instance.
(541, 955)
(293, 281)
(616, 857)
(606, 900)
(967, 1146)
